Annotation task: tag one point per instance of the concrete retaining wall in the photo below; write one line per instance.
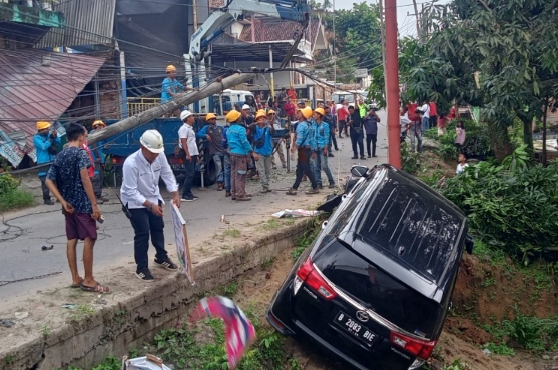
(119, 327)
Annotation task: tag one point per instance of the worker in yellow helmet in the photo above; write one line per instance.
(47, 143)
(171, 87)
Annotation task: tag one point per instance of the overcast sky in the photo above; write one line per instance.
(406, 20)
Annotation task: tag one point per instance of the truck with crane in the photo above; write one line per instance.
(121, 144)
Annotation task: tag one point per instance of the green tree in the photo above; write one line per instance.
(508, 44)
(356, 39)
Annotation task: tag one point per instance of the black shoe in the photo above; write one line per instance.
(166, 264)
(332, 186)
(362, 157)
(337, 149)
(374, 156)
(313, 191)
(354, 157)
(145, 275)
(195, 197)
(330, 155)
(368, 155)
(187, 199)
(49, 202)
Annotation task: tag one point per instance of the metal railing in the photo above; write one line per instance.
(138, 105)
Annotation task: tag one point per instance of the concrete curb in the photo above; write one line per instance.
(120, 326)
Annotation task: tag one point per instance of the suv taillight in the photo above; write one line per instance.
(419, 348)
(306, 273)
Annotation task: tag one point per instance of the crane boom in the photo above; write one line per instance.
(235, 10)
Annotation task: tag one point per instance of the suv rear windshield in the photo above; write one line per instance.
(378, 291)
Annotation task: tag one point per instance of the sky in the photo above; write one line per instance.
(406, 20)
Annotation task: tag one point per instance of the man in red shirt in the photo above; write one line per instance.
(290, 109)
(292, 93)
(342, 115)
(433, 114)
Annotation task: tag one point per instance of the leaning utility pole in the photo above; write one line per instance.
(392, 83)
(182, 99)
(417, 15)
(383, 36)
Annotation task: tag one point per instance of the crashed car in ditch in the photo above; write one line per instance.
(375, 287)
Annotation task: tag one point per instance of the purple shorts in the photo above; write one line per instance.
(80, 226)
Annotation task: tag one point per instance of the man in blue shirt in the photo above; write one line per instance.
(239, 150)
(170, 88)
(305, 142)
(46, 144)
(322, 144)
(99, 162)
(264, 147)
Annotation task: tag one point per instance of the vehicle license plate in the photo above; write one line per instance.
(355, 328)
(177, 166)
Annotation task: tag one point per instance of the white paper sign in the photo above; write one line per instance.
(181, 240)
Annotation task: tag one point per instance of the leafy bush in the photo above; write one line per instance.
(512, 206)
(7, 183)
(410, 160)
(11, 195)
(477, 142)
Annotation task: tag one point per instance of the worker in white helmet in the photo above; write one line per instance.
(141, 196)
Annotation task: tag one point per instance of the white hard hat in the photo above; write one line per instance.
(245, 106)
(152, 141)
(185, 114)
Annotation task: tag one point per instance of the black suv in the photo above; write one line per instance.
(376, 285)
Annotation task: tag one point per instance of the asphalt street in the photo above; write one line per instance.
(24, 233)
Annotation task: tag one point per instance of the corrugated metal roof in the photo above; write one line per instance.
(88, 22)
(37, 84)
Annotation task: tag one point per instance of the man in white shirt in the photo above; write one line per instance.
(141, 196)
(404, 121)
(190, 153)
(425, 121)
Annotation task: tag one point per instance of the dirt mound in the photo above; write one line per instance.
(464, 328)
(490, 291)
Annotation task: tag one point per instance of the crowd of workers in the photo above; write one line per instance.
(243, 148)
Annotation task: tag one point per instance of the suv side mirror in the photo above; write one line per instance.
(359, 171)
(469, 244)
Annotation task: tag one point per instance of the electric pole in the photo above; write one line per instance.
(392, 82)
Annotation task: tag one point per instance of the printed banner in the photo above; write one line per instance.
(181, 240)
(9, 149)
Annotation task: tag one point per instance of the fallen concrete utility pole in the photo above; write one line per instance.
(182, 99)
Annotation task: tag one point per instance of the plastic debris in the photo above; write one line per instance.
(148, 362)
(295, 213)
(487, 352)
(21, 315)
(7, 323)
(69, 306)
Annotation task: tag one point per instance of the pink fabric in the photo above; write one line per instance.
(239, 331)
(460, 139)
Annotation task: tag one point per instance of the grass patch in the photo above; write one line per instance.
(271, 224)
(15, 199)
(499, 349)
(305, 241)
(233, 233)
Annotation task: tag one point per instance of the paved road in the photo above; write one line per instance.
(26, 231)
